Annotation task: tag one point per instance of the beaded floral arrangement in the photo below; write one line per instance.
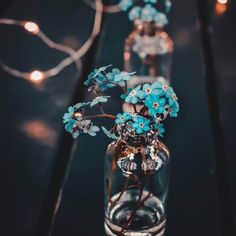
(147, 10)
(151, 103)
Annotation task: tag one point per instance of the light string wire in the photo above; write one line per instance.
(74, 55)
(107, 9)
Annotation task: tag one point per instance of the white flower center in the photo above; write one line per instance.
(164, 87)
(155, 105)
(141, 125)
(132, 93)
(174, 97)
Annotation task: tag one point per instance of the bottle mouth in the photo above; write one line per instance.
(147, 27)
(134, 139)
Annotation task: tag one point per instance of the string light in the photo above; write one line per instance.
(222, 1)
(221, 7)
(37, 76)
(31, 27)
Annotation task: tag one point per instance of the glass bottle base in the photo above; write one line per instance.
(135, 214)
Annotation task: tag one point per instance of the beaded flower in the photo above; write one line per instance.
(151, 103)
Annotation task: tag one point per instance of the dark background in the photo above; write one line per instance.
(32, 135)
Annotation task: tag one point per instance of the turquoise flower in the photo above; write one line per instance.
(72, 112)
(161, 88)
(111, 78)
(96, 75)
(168, 5)
(151, 1)
(71, 127)
(160, 129)
(75, 128)
(160, 19)
(135, 13)
(99, 99)
(122, 118)
(80, 105)
(155, 105)
(100, 70)
(148, 13)
(172, 98)
(123, 76)
(147, 91)
(87, 127)
(174, 109)
(141, 124)
(108, 133)
(125, 4)
(133, 96)
(118, 77)
(67, 116)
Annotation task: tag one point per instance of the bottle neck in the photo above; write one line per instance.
(147, 28)
(136, 140)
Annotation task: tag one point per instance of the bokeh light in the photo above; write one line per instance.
(220, 8)
(36, 76)
(31, 27)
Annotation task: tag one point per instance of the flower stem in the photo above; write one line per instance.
(100, 116)
(135, 109)
(101, 108)
(126, 86)
(139, 203)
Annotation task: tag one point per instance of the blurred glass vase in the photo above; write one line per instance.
(148, 52)
(136, 180)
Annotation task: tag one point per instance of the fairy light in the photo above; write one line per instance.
(221, 7)
(74, 56)
(31, 27)
(36, 76)
(222, 1)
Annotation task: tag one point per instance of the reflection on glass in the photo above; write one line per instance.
(148, 51)
(137, 174)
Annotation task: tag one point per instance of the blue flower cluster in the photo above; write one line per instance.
(155, 101)
(139, 124)
(157, 98)
(101, 80)
(136, 123)
(148, 12)
(74, 122)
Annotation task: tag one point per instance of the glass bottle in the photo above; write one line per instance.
(148, 52)
(136, 186)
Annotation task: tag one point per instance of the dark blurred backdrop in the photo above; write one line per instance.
(32, 132)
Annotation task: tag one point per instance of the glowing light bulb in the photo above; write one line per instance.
(31, 27)
(220, 8)
(222, 1)
(36, 76)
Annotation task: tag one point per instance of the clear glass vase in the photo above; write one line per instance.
(148, 52)
(136, 186)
